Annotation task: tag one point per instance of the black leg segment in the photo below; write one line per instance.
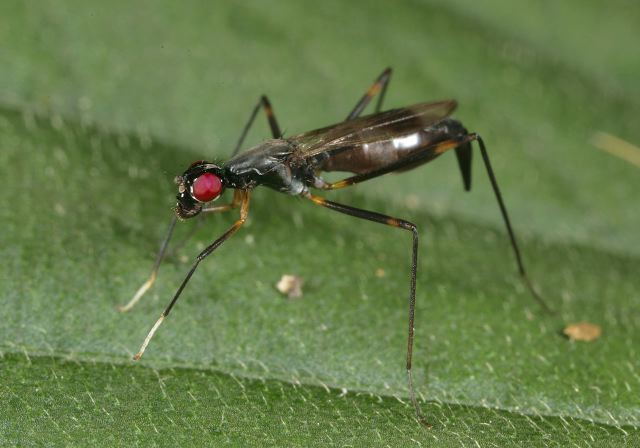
(423, 156)
(264, 103)
(244, 211)
(154, 271)
(379, 86)
(507, 223)
(406, 225)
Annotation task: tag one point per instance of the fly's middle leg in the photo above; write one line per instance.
(402, 224)
(378, 87)
(265, 104)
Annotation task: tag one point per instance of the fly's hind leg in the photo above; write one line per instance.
(507, 223)
(417, 157)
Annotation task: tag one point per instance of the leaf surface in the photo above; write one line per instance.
(95, 124)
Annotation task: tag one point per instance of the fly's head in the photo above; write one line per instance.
(200, 183)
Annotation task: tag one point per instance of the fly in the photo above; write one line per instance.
(365, 146)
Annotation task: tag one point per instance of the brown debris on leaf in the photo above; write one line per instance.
(583, 331)
(291, 286)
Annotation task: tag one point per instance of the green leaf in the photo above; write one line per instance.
(104, 104)
(71, 401)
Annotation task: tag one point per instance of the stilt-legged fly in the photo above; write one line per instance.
(366, 146)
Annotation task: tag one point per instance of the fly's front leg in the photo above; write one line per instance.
(154, 271)
(244, 197)
(165, 243)
(379, 86)
(402, 224)
(264, 103)
(202, 220)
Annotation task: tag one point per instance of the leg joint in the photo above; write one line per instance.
(407, 226)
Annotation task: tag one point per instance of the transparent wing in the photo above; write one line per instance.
(372, 128)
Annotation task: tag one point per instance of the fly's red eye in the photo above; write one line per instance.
(206, 187)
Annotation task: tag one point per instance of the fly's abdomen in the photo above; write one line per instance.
(368, 156)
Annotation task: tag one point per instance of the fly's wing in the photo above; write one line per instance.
(372, 128)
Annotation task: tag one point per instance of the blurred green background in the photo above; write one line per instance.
(101, 104)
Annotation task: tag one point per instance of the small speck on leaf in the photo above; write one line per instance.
(291, 286)
(380, 273)
(583, 331)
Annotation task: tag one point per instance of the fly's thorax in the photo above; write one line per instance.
(272, 163)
